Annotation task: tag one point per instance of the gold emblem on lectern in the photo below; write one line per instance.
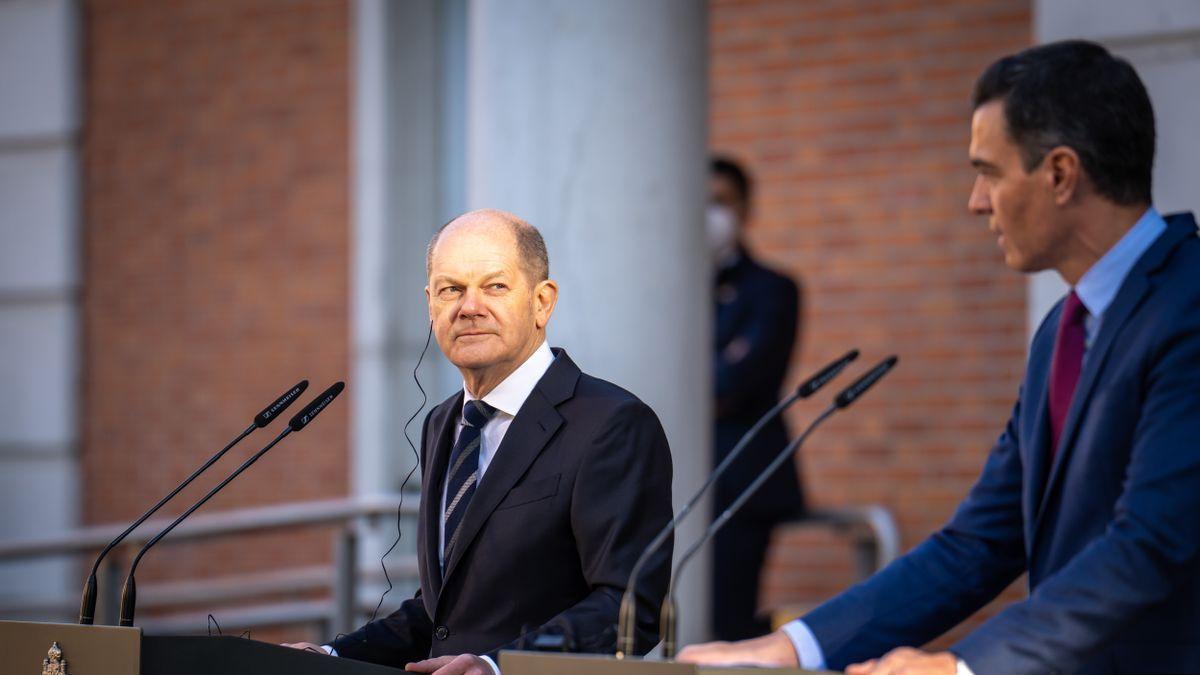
(54, 663)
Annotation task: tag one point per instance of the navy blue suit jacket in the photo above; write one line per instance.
(1108, 531)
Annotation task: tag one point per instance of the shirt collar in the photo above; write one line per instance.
(510, 394)
(1099, 285)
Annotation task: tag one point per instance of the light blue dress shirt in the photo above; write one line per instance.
(1096, 290)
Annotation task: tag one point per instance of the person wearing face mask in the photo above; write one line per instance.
(756, 313)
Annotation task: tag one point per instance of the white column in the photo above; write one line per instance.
(589, 120)
(39, 280)
(1161, 38)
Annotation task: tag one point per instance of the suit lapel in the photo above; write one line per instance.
(1038, 455)
(532, 428)
(1133, 291)
(437, 456)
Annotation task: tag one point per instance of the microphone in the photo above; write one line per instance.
(298, 422)
(848, 396)
(87, 606)
(627, 615)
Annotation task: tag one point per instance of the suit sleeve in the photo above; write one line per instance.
(943, 580)
(762, 352)
(1150, 544)
(403, 636)
(620, 500)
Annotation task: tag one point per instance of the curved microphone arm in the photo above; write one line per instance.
(668, 609)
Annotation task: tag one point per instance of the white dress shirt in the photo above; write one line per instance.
(507, 398)
(1097, 289)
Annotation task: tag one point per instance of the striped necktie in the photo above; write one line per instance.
(464, 470)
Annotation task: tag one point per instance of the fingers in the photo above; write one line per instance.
(863, 668)
(463, 664)
(907, 661)
(709, 653)
(428, 665)
(306, 646)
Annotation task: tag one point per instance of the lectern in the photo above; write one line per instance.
(542, 663)
(28, 648)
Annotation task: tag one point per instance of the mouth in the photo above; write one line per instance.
(472, 334)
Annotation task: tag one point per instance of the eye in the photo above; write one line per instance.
(498, 286)
(447, 292)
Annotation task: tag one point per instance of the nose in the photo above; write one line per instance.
(979, 203)
(471, 305)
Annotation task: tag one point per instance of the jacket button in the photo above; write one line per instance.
(441, 633)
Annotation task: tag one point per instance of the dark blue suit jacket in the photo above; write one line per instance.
(1108, 531)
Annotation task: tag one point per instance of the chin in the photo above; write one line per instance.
(474, 359)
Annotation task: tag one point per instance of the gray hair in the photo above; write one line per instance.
(530, 246)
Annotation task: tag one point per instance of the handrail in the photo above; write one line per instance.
(205, 526)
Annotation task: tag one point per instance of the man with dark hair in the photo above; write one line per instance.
(1093, 487)
(756, 312)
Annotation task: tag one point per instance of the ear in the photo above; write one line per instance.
(545, 296)
(429, 304)
(1066, 171)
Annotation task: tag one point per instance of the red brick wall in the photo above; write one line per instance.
(854, 117)
(216, 254)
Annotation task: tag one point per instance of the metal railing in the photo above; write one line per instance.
(340, 582)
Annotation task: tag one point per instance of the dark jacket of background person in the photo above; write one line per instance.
(756, 316)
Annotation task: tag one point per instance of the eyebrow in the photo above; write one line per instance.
(982, 163)
(446, 278)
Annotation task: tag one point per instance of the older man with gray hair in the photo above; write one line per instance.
(540, 484)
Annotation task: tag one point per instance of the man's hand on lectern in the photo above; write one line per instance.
(907, 661)
(306, 646)
(463, 664)
(774, 649)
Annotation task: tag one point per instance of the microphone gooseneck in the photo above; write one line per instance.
(87, 605)
(298, 422)
(627, 615)
(843, 400)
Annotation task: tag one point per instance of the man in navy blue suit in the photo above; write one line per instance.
(756, 312)
(1093, 487)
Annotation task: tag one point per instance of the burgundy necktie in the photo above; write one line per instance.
(1066, 365)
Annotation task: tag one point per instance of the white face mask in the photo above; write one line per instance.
(722, 232)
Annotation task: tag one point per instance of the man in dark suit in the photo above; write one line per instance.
(541, 485)
(1093, 487)
(756, 311)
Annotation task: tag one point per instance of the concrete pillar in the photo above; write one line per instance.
(39, 282)
(589, 120)
(1161, 38)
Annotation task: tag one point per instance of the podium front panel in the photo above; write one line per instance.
(94, 650)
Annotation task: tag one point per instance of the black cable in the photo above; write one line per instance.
(416, 465)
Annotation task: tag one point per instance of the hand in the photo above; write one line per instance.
(463, 664)
(774, 649)
(907, 661)
(306, 646)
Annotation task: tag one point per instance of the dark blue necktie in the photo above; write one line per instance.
(463, 471)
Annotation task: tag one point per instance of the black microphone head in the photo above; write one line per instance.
(861, 385)
(823, 376)
(272, 411)
(302, 418)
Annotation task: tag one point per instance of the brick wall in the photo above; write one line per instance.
(854, 116)
(216, 256)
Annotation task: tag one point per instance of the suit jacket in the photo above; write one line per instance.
(1108, 529)
(578, 487)
(756, 315)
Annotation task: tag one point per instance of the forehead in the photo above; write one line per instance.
(477, 247)
(989, 131)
